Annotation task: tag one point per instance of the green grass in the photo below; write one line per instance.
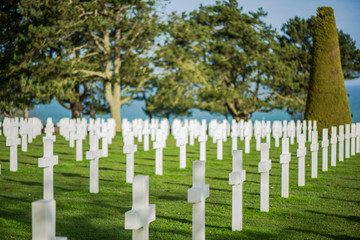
(325, 208)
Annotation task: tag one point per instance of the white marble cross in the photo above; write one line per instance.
(301, 152)
(309, 130)
(159, 145)
(268, 133)
(93, 155)
(44, 220)
(142, 213)
(23, 131)
(314, 148)
(219, 137)
(129, 149)
(264, 167)
(146, 132)
(197, 195)
(241, 129)
(291, 131)
(234, 135)
(325, 145)
(104, 139)
(202, 139)
(248, 135)
(72, 130)
(181, 142)
(257, 134)
(347, 140)
(285, 128)
(333, 142)
(236, 179)
(13, 141)
(353, 135)
(79, 148)
(341, 144)
(285, 158)
(277, 132)
(357, 137)
(47, 162)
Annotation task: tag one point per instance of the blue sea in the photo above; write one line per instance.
(135, 110)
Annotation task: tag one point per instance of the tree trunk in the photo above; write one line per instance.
(112, 95)
(26, 113)
(76, 109)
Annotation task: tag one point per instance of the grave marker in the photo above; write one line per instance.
(325, 145)
(314, 148)
(93, 156)
(333, 141)
(341, 144)
(202, 139)
(347, 140)
(142, 213)
(264, 167)
(236, 179)
(44, 220)
(159, 145)
(129, 149)
(197, 195)
(13, 141)
(181, 142)
(47, 162)
(357, 137)
(301, 152)
(285, 158)
(353, 135)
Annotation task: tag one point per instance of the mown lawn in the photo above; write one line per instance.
(325, 208)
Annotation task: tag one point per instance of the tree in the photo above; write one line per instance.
(327, 100)
(297, 40)
(119, 35)
(233, 58)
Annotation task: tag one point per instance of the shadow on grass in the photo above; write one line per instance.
(337, 237)
(349, 218)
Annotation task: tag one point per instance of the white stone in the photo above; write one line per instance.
(264, 170)
(234, 135)
(347, 140)
(333, 141)
(285, 158)
(248, 135)
(197, 195)
(181, 143)
(325, 145)
(47, 162)
(277, 132)
(142, 213)
(285, 127)
(341, 138)
(257, 134)
(268, 133)
(44, 220)
(12, 141)
(219, 138)
(291, 131)
(146, 132)
(353, 135)
(23, 131)
(236, 179)
(129, 149)
(314, 148)
(241, 129)
(309, 130)
(158, 145)
(93, 156)
(202, 139)
(301, 153)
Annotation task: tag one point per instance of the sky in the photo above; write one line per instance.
(347, 13)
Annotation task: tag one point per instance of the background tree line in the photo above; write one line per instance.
(94, 56)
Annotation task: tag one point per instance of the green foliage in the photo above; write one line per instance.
(297, 43)
(325, 208)
(227, 57)
(327, 100)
